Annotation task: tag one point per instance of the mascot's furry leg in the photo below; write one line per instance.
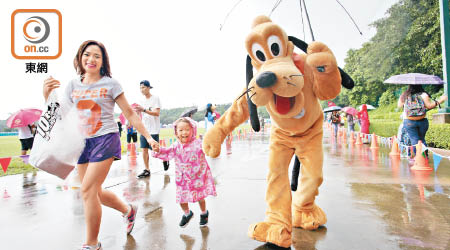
(277, 226)
(305, 213)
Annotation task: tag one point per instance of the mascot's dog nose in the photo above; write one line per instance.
(266, 79)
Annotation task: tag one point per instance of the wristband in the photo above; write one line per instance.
(437, 103)
(143, 111)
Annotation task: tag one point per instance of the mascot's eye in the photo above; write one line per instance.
(260, 55)
(275, 46)
(258, 52)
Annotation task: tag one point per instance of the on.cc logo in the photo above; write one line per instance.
(36, 29)
(36, 34)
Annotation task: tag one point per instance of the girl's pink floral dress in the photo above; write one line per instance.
(193, 176)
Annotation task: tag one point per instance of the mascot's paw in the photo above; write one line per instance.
(309, 219)
(212, 142)
(269, 232)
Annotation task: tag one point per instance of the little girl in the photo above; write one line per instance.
(193, 177)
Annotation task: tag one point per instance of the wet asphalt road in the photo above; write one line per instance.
(372, 202)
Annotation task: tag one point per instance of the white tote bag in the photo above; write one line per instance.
(58, 142)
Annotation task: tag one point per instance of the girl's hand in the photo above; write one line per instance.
(49, 85)
(442, 99)
(155, 145)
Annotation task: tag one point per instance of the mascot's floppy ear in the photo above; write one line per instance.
(347, 82)
(254, 119)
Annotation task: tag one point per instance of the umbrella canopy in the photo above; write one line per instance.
(23, 118)
(414, 79)
(188, 112)
(350, 110)
(369, 107)
(330, 109)
(122, 117)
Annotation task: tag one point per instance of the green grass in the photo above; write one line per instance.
(384, 121)
(10, 146)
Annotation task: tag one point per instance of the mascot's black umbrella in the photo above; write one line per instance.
(189, 112)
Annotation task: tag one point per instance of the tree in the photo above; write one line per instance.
(407, 40)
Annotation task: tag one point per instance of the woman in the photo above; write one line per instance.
(209, 116)
(350, 123)
(335, 121)
(95, 94)
(416, 102)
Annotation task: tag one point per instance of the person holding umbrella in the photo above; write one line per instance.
(350, 123)
(415, 102)
(24, 120)
(26, 137)
(335, 121)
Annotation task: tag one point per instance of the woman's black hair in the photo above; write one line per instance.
(208, 110)
(413, 89)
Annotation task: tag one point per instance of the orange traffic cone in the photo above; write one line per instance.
(421, 178)
(394, 150)
(344, 136)
(358, 139)
(395, 165)
(162, 142)
(352, 139)
(420, 162)
(132, 150)
(132, 161)
(5, 194)
(374, 141)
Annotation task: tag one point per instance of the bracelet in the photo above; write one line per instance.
(143, 111)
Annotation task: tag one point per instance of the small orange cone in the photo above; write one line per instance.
(421, 178)
(420, 162)
(358, 139)
(162, 142)
(344, 136)
(132, 150)
(394, 150)
(132, 161)
(5, 194)
(374, 141)
(352, 138)
(395, 165)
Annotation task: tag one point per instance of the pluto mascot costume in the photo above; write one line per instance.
(289, 86)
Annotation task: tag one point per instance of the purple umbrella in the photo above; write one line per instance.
(414, 79)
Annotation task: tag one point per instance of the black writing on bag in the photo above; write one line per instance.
(48, 120)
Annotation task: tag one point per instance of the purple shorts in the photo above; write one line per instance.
(101, 148)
